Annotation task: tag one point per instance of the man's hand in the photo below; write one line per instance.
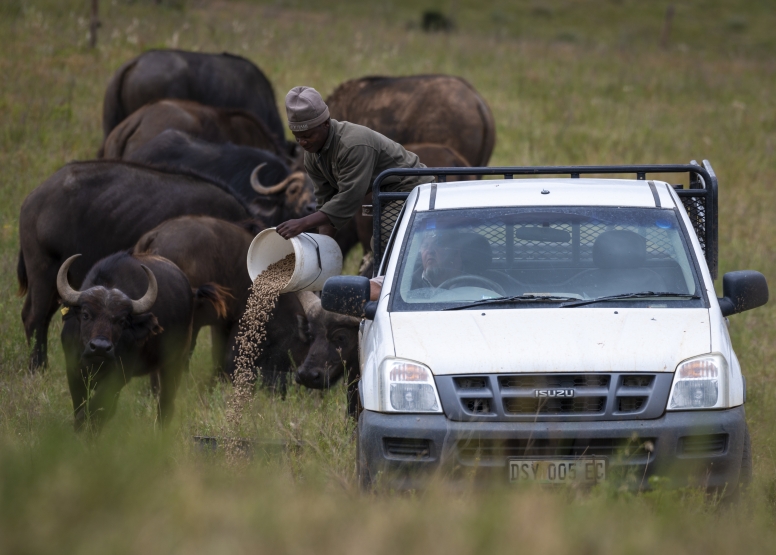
(292, 228)
(375, 287)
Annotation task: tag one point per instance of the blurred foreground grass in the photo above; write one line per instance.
(569, 82)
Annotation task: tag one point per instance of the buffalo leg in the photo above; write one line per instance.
(219, 338)
(39, 307)
(79, 393)
(169, 380)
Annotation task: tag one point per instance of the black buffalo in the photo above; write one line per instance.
(221, 80)
(255, 174)
(132, 318)
(98, 208)
(209, 250)
(333, 350)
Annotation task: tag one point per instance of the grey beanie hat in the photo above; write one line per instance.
(305, 109)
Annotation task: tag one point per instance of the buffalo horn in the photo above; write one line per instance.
(144, 304)
(69, 295)
(261, 189)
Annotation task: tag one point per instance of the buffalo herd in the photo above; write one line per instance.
(144, 246)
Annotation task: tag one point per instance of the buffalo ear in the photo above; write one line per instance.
(70, 312)
(144, 326)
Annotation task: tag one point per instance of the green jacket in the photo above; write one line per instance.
(345, 168)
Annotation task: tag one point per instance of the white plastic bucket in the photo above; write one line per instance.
(318, 257)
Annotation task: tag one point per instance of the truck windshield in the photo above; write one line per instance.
(545, 257)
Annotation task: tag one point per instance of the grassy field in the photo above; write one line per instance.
(569, 82)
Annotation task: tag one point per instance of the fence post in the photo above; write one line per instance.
(665, 37)
(94, 24)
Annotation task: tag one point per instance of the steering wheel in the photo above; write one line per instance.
(473, 280)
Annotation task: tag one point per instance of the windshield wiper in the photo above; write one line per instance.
(515, 299)
(642, 294)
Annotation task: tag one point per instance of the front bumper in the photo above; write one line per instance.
(700, 448)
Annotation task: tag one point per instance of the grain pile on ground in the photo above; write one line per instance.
(252, 332)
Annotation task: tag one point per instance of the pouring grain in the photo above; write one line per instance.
(250, 337)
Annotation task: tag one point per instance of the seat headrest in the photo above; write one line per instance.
(476, 253)
(619, 249)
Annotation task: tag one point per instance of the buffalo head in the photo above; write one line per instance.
(333, 345)
(102, 332)
(290, 199)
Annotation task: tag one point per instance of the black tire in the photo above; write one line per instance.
(362, 470)
(745, 477)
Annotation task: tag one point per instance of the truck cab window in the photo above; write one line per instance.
(465, 255)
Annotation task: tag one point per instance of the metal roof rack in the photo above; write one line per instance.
(700, 200)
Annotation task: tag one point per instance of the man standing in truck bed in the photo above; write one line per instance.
(343, 159)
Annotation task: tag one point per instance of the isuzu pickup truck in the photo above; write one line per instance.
(559, 325)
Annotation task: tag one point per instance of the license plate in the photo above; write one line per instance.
(557, 471)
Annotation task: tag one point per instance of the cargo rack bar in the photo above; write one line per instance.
(700, 200)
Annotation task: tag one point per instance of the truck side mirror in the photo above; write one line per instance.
(348, 295)
(743, 290)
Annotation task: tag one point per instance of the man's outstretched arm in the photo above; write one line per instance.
(292, 228)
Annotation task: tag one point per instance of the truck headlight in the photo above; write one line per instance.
(407, 386)
(700, 383)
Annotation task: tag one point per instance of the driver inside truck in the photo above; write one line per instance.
(440, 256)
(440, 260)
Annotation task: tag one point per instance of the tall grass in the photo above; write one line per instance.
(569, 82)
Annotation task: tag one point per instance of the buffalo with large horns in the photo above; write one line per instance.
(131, 318)
(259, 176)
(98, 208)
(437, 109)
(209, 250)
(220, 80)
(215, 125)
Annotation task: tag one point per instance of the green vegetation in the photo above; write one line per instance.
(569, 82)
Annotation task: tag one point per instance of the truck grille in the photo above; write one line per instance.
(537, 397)
(555, 406)
(558, 381)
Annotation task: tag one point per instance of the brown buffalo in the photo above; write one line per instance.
(215, 125)
(333, 350)
(438, 109)
(109, 338)
(220, 80)
(441, 156)
(98, 208)
(209, 250)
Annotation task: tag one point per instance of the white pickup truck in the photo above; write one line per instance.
(550, 329)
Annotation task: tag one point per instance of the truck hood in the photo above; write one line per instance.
(552, 339)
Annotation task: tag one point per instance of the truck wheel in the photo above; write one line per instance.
(362, 470)
(745, 477)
